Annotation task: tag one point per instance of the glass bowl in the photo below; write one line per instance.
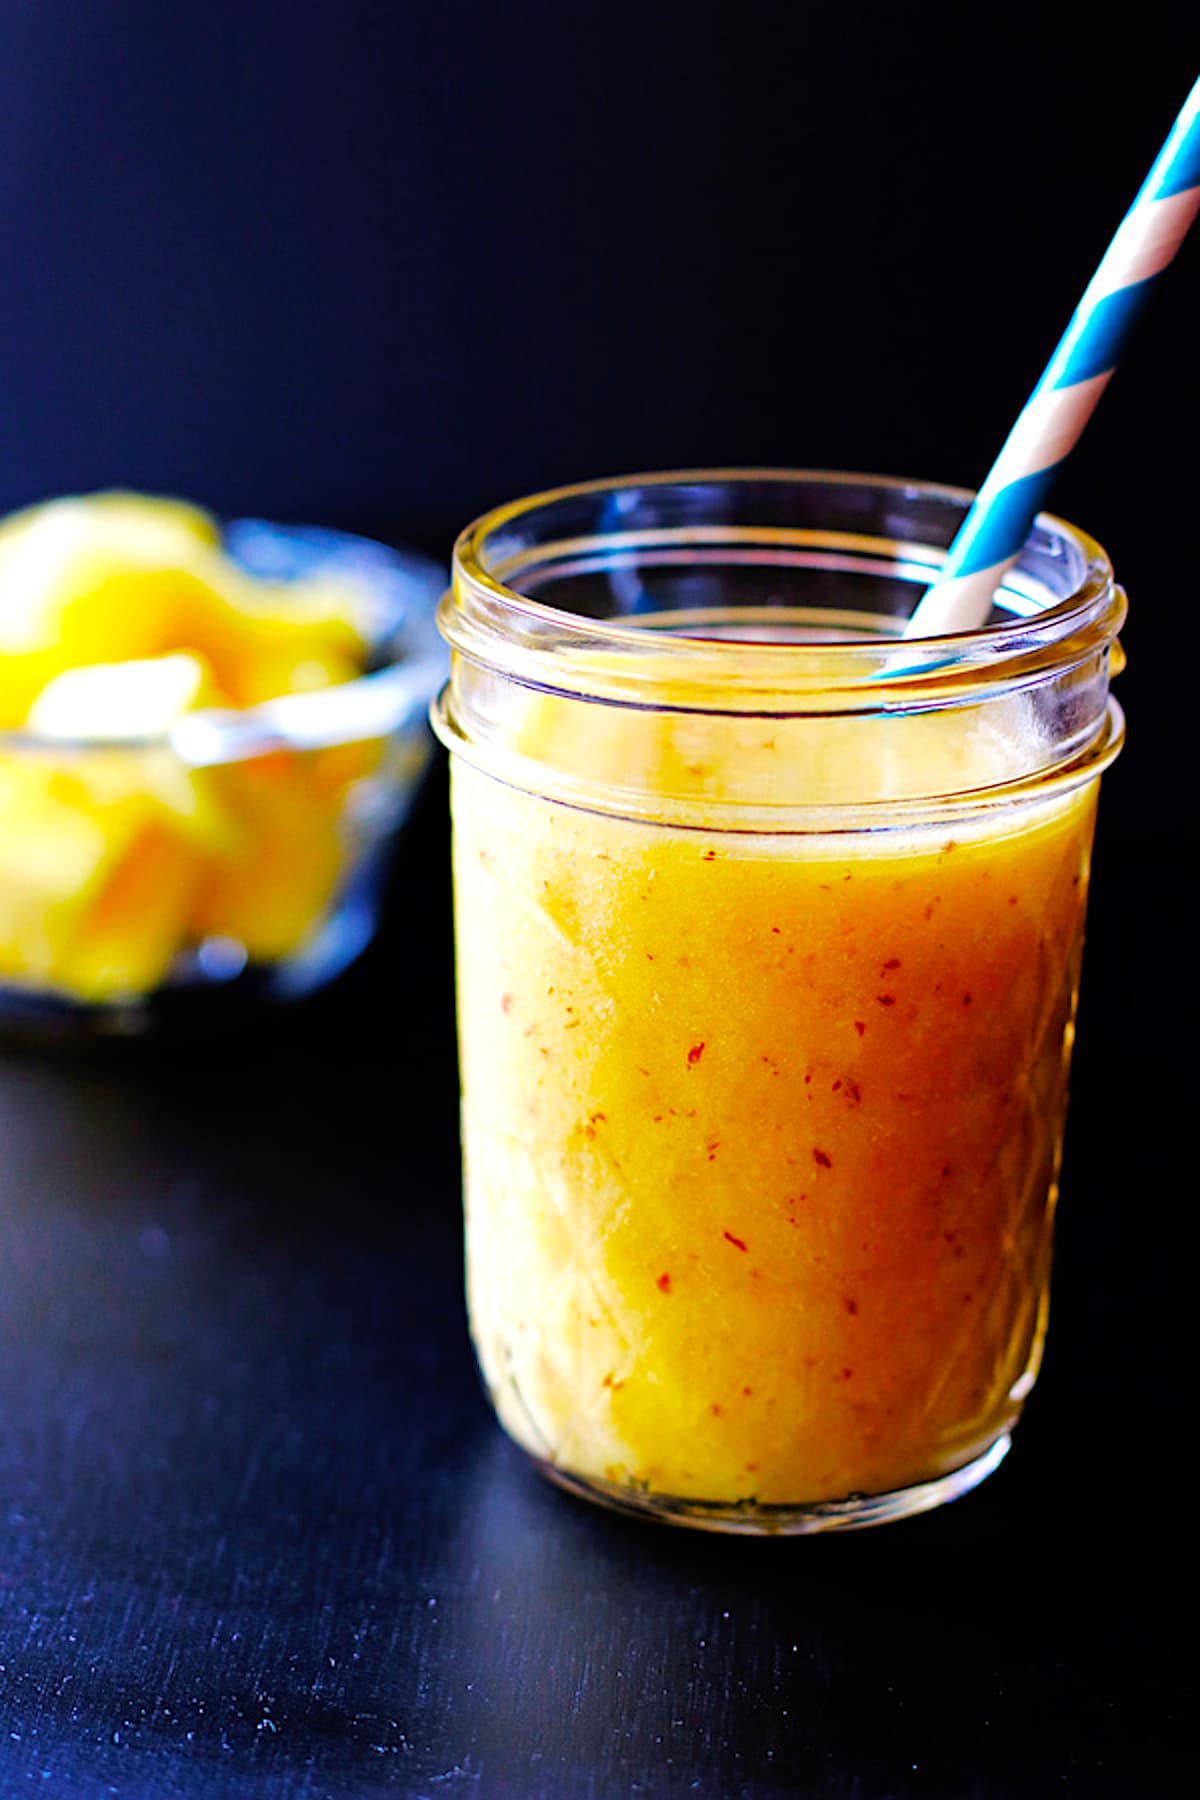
(242, 852)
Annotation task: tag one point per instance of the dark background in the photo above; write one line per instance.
(381, 266)
(385, 264)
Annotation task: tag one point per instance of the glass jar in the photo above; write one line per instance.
(769, 926)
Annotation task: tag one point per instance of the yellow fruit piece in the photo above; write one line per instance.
(271, 887)
(78, 587)
(58, 567)
(141, 698)
(63, 836)
(129, 936)
(51, 854)
(330, 772)
(127, 701)
(109, 578)
(135, 516)
(263, 639)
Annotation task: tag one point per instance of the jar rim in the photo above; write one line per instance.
(492, 622)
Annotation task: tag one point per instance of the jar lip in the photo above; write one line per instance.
(845, 817)
(488, 620)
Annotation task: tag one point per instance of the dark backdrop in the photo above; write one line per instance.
(385, 264)
(382, 265)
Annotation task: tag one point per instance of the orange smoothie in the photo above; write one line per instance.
(761, 1130)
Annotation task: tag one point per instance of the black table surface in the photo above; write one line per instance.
(261, 1537)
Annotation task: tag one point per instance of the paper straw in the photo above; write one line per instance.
(1061, 404)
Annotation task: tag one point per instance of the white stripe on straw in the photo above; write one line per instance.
(1063, 401)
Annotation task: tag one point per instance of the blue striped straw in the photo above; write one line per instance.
(1064, 399)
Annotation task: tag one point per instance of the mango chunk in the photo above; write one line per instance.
(141, 698)
(139, 518)
(126, 941)
(270, 886)
(57, 849)
(264, 639)
(107, 579)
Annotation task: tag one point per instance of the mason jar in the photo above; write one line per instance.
(769, 924)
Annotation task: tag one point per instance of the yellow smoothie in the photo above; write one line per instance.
(762, 1129)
